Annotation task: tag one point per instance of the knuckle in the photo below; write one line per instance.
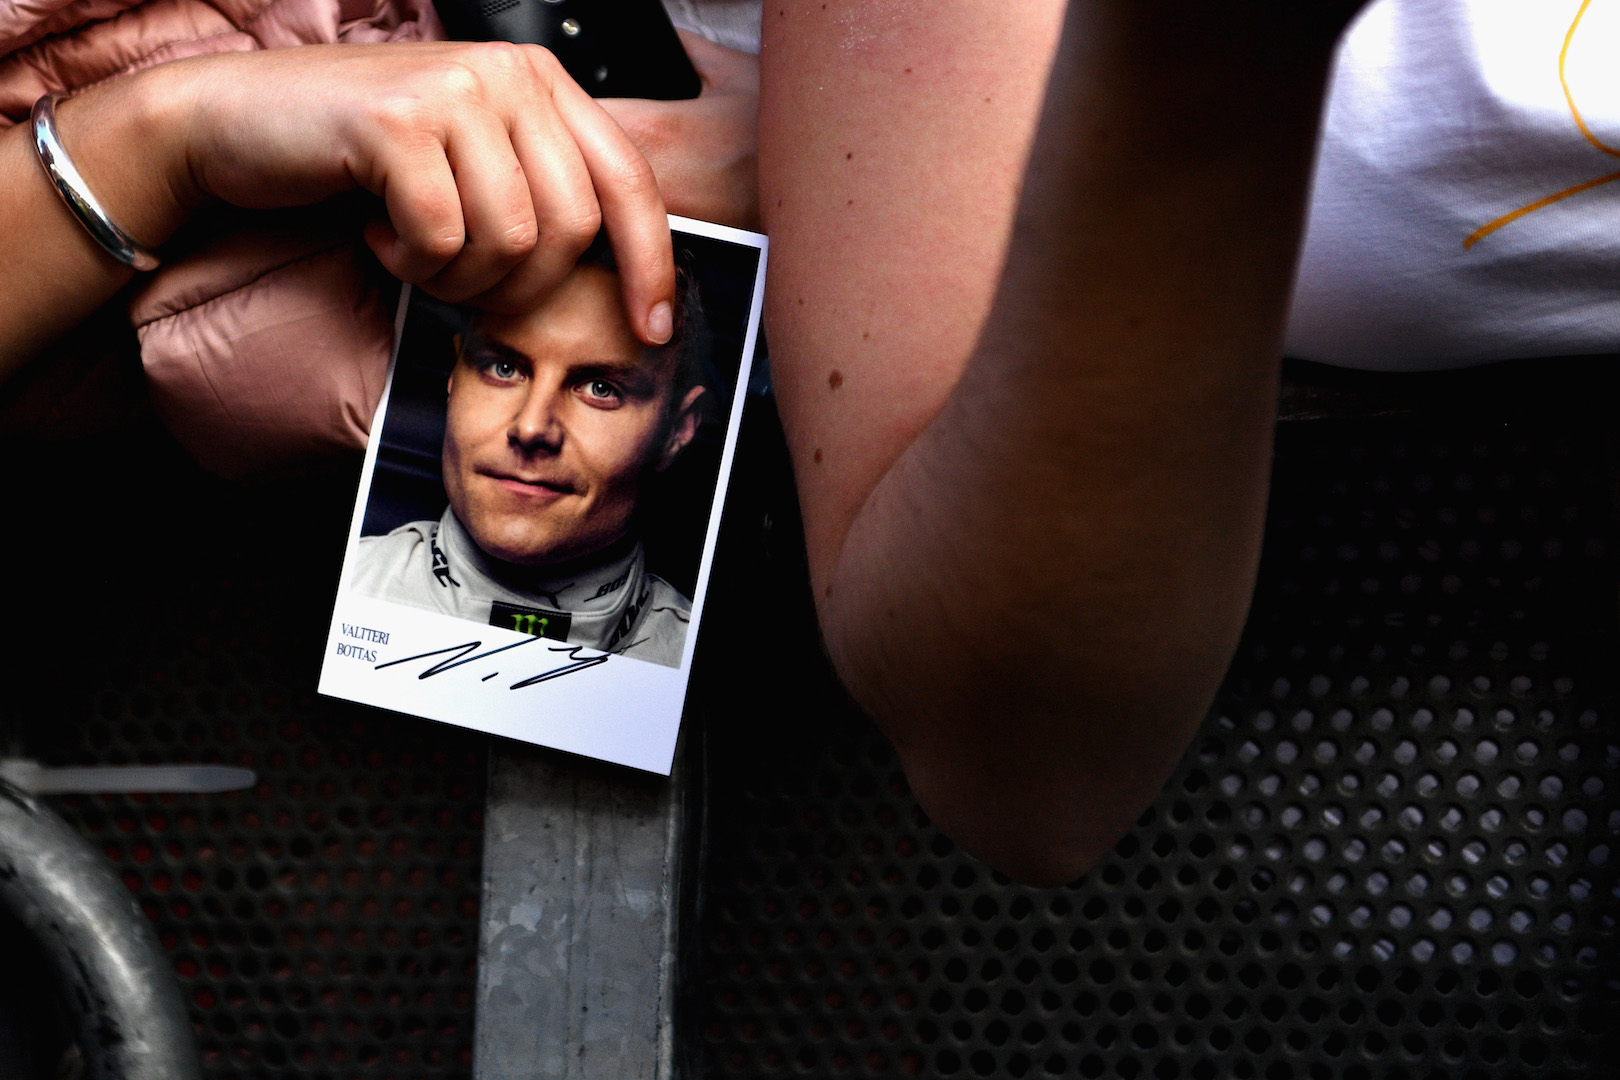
(631, 177)
(573, 228)
(540, 61)
(461, 82)
(443, 80)
(502, 56)
(440, 247)
(399, 113)
(517, 239)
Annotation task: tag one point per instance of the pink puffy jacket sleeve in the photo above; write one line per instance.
(264, 337)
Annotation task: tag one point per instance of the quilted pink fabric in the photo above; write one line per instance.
(265, 337)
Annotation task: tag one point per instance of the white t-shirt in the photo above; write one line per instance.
(1446, 117)
(732, 23)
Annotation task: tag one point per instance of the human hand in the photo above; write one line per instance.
(494, 168)
(704, 150)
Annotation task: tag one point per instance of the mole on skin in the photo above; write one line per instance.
(835, 380)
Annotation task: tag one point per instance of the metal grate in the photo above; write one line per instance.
(324, 924)
(1389, 852)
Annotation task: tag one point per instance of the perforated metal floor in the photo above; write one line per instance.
(1389, 852)
(324, 924)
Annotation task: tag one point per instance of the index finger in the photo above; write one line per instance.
(632, 211)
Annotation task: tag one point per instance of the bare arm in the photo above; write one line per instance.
(704, 151)
(1033, 508)
(56, 275)
(492, 168)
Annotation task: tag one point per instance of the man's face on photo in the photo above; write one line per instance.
(555, 419)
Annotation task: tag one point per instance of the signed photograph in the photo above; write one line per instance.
(536, 518)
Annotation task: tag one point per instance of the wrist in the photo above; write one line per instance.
(125, 138)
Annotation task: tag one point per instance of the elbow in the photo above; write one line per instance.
(1034, 859)
(1042, 789)
(1039, 761)
(1043, 839)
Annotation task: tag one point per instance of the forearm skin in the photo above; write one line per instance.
(1038, 595)
(122, 137)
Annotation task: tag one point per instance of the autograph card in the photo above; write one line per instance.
(536, 520)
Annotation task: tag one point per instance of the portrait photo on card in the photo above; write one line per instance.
(536, 518)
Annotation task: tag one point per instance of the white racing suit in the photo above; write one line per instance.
(614, 605)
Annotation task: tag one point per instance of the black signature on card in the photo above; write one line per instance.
(466, 653)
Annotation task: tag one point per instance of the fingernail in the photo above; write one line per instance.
(661, 323)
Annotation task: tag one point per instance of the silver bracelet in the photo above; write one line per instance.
(74, 192)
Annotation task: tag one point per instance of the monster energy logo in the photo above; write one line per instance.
(530, 620)
(526, 624)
